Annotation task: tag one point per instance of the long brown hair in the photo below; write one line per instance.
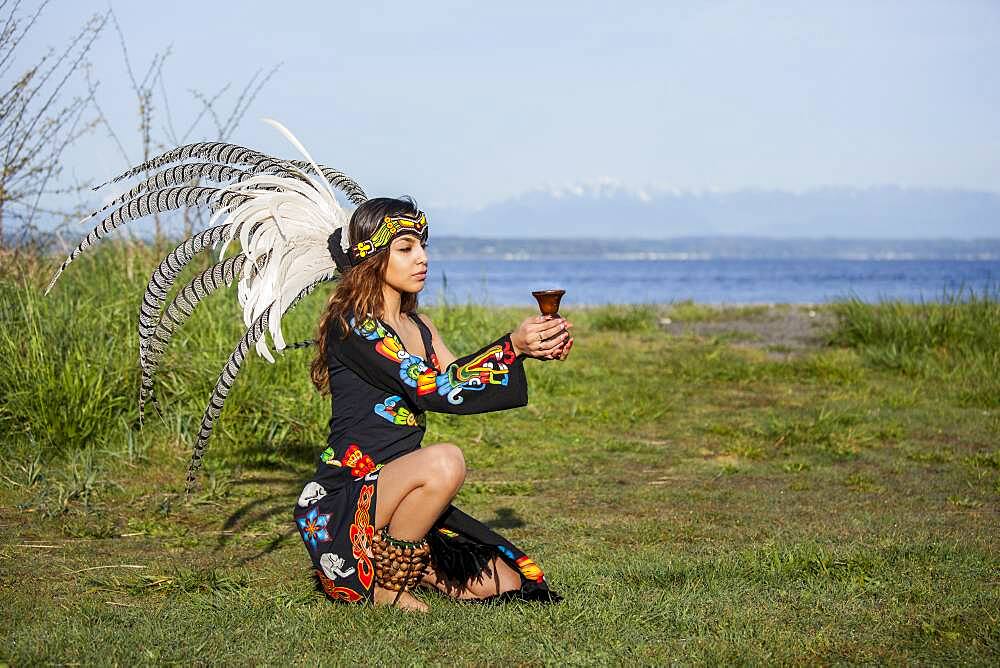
(359, 290)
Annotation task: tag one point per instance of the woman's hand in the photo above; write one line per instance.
(563, 352)
(541, 337)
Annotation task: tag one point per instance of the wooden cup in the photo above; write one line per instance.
(548, 301)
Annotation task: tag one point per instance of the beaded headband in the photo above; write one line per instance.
(390, 228)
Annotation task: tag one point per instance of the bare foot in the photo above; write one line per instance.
(407, 601)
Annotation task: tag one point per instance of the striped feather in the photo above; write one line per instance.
(228, 376)
(179, 310)
(213, 151)
(180, 174)
(221, 391)
(163, 277)
(232, 154)
(165, 199)
(338, 180)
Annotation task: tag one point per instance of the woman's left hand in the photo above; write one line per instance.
(563, 352)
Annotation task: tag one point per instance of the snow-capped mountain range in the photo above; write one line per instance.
(610, 210)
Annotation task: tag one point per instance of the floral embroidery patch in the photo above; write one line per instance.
(313, 527)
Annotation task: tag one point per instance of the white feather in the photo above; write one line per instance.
(294, 217)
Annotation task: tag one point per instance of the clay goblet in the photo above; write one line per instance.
(548, 303)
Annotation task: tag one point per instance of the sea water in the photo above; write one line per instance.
(722, 281)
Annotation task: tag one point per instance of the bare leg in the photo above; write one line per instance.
(413, 491)
(496, 579)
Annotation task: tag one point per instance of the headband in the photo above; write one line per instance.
(391, 227)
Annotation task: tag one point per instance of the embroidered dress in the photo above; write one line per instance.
(380, 392)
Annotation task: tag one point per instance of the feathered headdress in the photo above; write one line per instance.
(283, 215)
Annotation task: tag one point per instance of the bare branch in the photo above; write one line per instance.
(246, 98)
(102, 117)
(124, 48)
(169, 130)
(35, 126)
(10, 27)
(94, 30)
(207, 107)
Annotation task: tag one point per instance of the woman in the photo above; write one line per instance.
(376, 494)
(378, 509)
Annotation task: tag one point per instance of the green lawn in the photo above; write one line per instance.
(698, 496)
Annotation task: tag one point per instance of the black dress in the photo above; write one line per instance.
(380, 392)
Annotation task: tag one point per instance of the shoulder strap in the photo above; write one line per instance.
(425, 334)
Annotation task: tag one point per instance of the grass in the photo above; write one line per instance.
(696, 500)
(688, 311)
(956, 340)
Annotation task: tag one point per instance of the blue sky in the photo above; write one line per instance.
(467, 103)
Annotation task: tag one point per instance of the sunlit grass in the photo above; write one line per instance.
(697, 500)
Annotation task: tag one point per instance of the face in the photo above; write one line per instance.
(407, 268)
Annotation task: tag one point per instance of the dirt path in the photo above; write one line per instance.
(781, 329)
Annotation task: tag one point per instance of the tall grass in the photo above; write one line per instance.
(624, 318)
(69, 377)
(964, 323)
(64, 360)
(956, 339)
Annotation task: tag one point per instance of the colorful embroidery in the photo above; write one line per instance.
(530, 569)
(389, 229)
(370, 329)
(335, 592)
(489, 368)
(412, 369)
(427, 382)
(311, 493)
(448, 533)
(391, 348)
(507, 552)
(415, 373)
(360, 463)
(333, 566)
(329, 458)
(362, 533)
(313, 527)
(391, 410)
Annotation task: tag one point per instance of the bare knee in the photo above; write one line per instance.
(445, 467)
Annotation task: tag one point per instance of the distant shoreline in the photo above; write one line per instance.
(676, 249)
(695, 249)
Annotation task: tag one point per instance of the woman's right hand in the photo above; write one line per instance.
(540, 336)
